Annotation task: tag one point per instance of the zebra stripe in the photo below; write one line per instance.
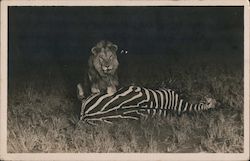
(186, 106)
(133, 102)
(179, 108)
(166, 99)
(116, 97)
(98, 102)
(86, 102)
(155, 98)
(195, 107)
(176, 101)
(190, 107)
(161, 98)
(170, 100)
(112, 109)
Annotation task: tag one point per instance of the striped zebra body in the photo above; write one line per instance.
(132, 102)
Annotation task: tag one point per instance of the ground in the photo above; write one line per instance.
(43, 108)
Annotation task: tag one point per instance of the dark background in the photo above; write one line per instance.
(51, 39)
(70, 32)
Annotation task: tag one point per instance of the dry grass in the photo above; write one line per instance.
(43, 109)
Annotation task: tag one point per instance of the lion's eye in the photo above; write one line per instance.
(101, 59)
(111, 56)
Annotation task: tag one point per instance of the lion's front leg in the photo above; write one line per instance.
(111, 89)
(94, 88)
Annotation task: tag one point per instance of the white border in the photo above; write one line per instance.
(119, 156)
(3, 87)
(125, 2)
(246, 78)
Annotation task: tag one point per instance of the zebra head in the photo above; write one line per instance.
(211, 102)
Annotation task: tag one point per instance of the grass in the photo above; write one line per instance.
(43, 108)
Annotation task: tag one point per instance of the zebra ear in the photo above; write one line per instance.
(80, 93)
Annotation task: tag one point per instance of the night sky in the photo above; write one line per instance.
(68, 33)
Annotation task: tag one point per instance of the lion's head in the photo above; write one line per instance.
(105, 58)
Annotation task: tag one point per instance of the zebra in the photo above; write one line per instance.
(132, 102)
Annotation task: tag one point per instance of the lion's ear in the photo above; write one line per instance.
(113, 47)
(95, 50)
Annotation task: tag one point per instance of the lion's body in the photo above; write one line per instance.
(102, 68)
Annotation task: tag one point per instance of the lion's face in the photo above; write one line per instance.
(108, 62)
(105, 58)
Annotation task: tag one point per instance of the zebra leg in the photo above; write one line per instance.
(78, 124)
(91, 123)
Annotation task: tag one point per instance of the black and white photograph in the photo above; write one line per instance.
(129, 79)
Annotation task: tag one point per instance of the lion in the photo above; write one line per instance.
(102, 68)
